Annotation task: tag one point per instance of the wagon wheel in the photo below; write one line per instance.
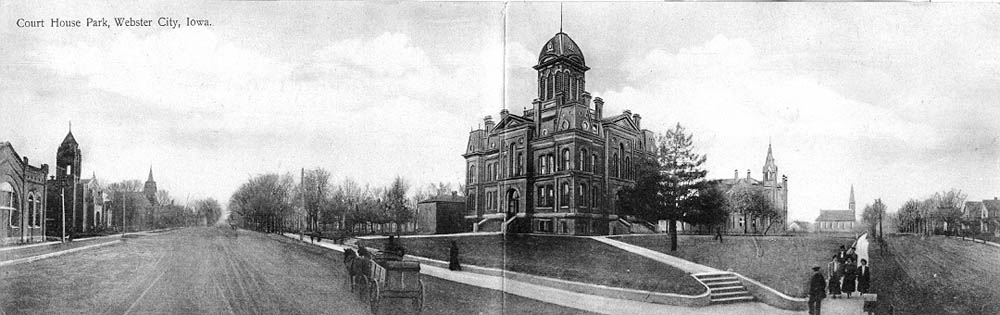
(363, 288)
(374, 295)
(419, 300)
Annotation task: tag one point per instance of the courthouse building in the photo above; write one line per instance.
(22, 196)
(557, 166)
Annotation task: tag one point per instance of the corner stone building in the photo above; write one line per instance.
(557, 167)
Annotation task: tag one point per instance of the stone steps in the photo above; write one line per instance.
(725, 288)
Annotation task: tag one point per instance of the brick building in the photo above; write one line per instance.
(65, 193)
(557, 166)
(441, 215)
(22, 196)
(775, 190)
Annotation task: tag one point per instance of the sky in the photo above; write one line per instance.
(896, 99)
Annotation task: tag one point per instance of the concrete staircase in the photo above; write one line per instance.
(724, 288)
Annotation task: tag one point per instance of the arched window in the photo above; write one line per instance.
(565, 160)
(628, 167)
(552, 87)
(8, 203)
(31, 210)
(472, 174)
(540, 169)
(594, 201)
(510, 163)
(593, 164)
(540, 199)
(520, 165)
(583, 160)
(550, 199)
(614, 165)
(566, 193)
(621, 151)
(583, 195)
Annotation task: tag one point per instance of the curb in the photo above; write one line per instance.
(53, 254)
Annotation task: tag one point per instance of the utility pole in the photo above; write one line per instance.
(63, 195)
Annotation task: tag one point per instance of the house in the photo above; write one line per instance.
(799, 226)
(441, 215)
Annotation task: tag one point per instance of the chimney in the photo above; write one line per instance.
(627, 112)
(503, 114)
(25, 160)
(489, 122)
(637, 119)
(586, 98)
(598, 108)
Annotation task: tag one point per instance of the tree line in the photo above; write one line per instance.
(940, 213)
(274, 203)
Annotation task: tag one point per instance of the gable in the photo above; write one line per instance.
(623, 121)
(511, 121)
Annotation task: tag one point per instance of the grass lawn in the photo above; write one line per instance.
(781, 262)
(937, 275)
(568, 258)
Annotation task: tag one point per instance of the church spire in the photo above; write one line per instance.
(770, 168)
(150, 174)
(851, 204)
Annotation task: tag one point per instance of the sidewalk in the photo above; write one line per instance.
(855, 304)
(591, 303)
(678, 263)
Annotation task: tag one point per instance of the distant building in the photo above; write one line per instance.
(22, 198)
(441, 215)
(94, 197)
(556, 167)
(837, 220)
(981, 216)
(776, 191)
(65, 194)
(799, 226)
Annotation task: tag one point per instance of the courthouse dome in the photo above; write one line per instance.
(561, 46)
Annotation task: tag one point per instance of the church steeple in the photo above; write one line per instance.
(149, 190)
(851, 204)
(770, 168)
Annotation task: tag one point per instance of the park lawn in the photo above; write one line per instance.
(936, 275)
(780, 262)
(568, 258)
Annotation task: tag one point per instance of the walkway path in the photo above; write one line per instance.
(678, 263)
(855, 304)
(581, 301)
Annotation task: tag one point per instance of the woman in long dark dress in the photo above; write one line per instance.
(850, 274)
(833, 268)
(864, 277)
(453, 257)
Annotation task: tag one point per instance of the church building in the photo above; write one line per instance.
(773, 189)
(837, 220)
(554, 167)
(65, 192)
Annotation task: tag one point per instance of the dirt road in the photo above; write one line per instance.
(212, 271)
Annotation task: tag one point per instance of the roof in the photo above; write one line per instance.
(561, 47)
(993, 207)
(769, 165)
(69, 140)
(445, 198)
(836, 215)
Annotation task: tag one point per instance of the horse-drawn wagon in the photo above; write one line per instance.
(383, 276)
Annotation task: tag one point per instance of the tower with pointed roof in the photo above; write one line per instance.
(851, 203)
(149, 190)
(555, 167)
(64, 189)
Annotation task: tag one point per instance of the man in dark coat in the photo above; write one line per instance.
(453, 263)
(864, 277)
(842, 255)
(817, 291)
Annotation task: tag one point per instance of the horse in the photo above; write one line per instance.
(357, 266)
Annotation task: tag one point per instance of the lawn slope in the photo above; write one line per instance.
(568, 258)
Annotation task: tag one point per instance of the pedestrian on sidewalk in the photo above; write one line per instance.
(833, 268)
(841, 255)
(850, 275)
(816, 291)
(453, 263)
(864, 277)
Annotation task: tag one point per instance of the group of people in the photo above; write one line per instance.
(847, 273)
